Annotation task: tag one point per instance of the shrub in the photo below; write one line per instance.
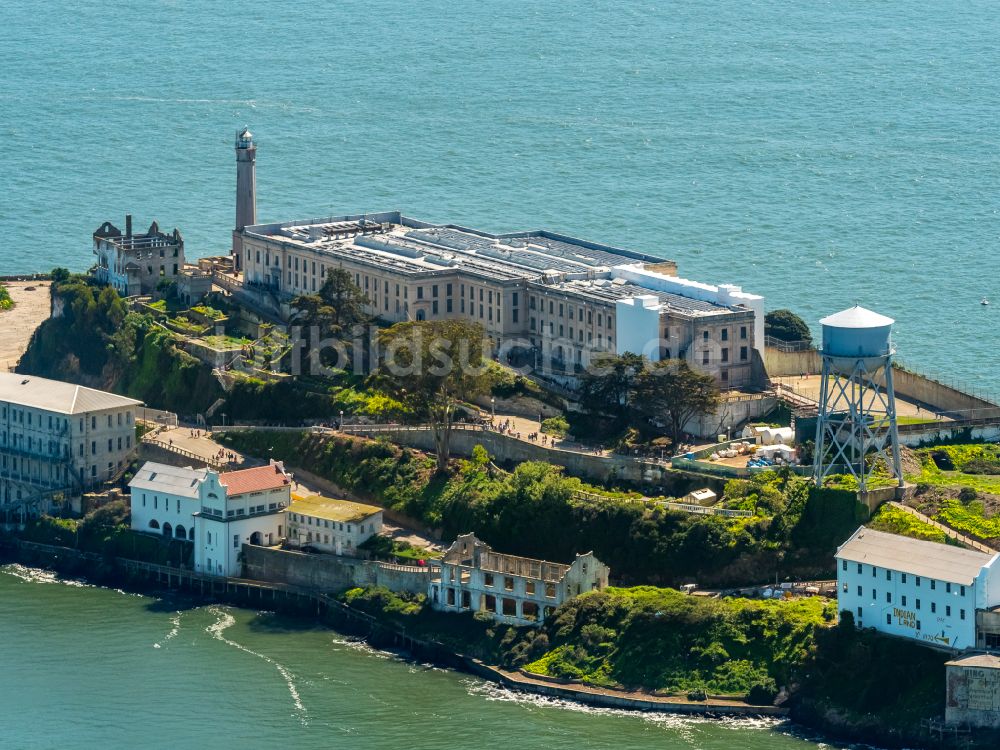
(786, 326)
(762, 693)
(557, 426)
(967, 495)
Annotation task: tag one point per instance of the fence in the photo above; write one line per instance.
(787, 346)
(210, 462)
(701, 510)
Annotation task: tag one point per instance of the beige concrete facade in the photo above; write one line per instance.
(554, 300)
(137, 263)
(58, 440)
(471, 577)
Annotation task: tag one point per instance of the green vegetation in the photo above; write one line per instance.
(785, 325)
(431, 367)
(557, 426)
(975, 465)
(537, 511)
(225, 343)
(5, 301)
(208, 312)
(85, 336)
(870, 687)
(896, 521)
(642, 400)
(644, 637)
(969, 519)
(163, 374)
(384, 548)
(661, 639)
(106, 531)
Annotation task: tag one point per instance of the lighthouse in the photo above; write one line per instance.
(246, 191)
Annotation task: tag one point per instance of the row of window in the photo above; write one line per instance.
(903, 578)
(902, 602)
(326, 523)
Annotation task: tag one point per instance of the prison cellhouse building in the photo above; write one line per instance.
(929, 592)
(471, 577)
(557, 300)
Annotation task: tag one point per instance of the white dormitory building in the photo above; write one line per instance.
(924, 591)
(471, 577)
(329, 525)
(58, 440)
(218, 512)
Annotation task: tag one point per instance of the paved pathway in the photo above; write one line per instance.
(808, 387)
(201, 443)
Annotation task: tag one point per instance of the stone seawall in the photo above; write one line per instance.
(504, 448)
(329, 572)
(620, 699)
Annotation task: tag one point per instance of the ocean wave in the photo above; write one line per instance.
(685, 726)
(224, 621)
(39, 575)
(362, 646)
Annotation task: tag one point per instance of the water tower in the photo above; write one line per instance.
(857, 407)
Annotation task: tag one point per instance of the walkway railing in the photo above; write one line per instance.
(787, 346)
(210, 462)
(701, 510)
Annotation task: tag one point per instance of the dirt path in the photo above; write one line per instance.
(18, 323)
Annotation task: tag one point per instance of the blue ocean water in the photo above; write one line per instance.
(95, 669)
(821, 153)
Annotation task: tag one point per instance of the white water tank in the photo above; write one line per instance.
(857, 333)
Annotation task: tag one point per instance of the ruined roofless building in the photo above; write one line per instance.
(517, 590)
(136, 263)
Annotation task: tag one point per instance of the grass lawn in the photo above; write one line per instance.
(960, 455)
(225, 343)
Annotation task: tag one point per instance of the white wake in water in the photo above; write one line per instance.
(226, 621)
(175, 623)
(683, 724)
(37, 575)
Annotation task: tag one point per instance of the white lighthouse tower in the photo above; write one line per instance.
(246, 190)
(857, 406)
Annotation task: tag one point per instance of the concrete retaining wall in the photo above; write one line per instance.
(916, 436)
(154, 452)
(781, 364)
(329, 572)
(617, 699)
(505, 448)
(910, 385)
(937, 395)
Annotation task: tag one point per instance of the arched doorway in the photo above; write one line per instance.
(167, 529)
(257, 539)
(154, 524)
(180, 532)
(421, 315)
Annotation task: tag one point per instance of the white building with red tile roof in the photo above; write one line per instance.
(219, 513)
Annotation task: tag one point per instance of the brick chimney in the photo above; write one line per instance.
(128, 225)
